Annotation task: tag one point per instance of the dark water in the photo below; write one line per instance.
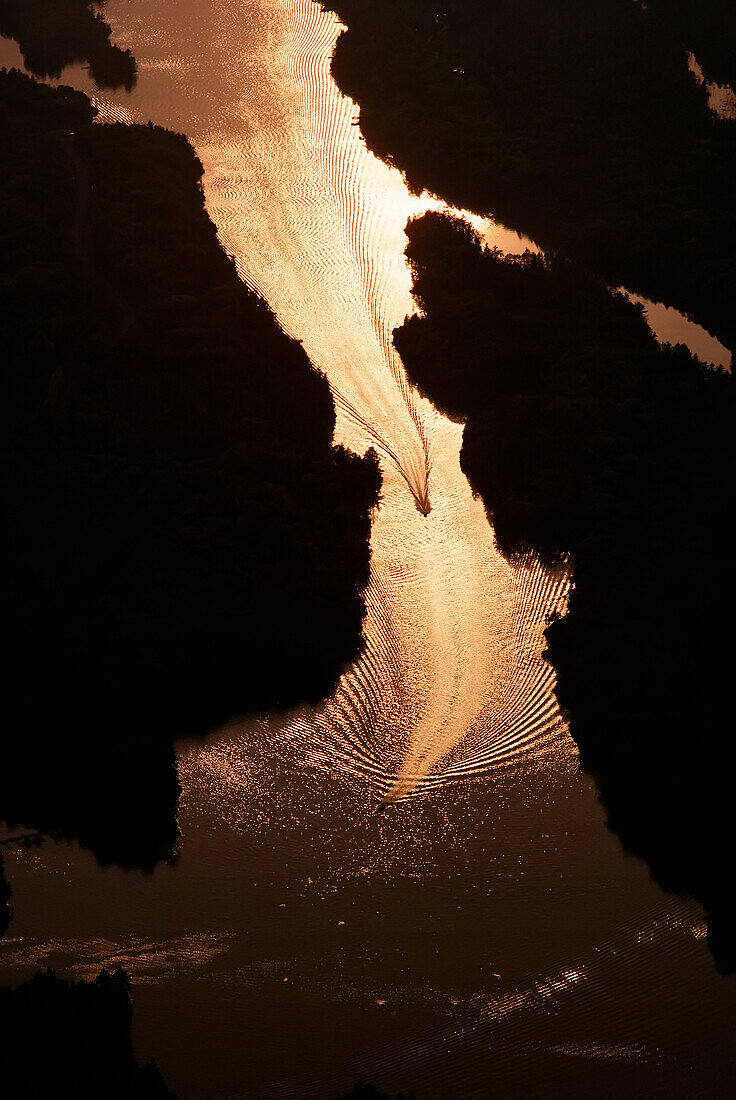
(486, 935)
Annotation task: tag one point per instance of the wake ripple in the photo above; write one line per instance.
(451, 684)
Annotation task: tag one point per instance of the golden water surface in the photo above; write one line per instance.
(486, 935)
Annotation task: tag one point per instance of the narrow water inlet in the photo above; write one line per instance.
(486, 927)
(316, 224)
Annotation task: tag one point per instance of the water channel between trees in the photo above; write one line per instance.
(487, 928)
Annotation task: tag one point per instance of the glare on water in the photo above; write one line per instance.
(485, 930)
(315, 224)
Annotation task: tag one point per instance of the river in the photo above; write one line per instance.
(486, 935)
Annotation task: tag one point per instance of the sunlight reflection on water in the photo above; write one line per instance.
(316, 223)
(488, 929)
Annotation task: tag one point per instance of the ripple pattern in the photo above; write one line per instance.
(451, 684)
(489, 931)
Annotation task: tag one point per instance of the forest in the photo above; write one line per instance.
(577, 124)
(84, 1030)
(55, 33)
(587, 440)
(187, 545)
(184, 543)
(583, 127)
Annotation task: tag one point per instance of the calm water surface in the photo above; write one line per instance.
(485, 936)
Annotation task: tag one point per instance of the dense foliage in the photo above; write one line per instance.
(61, 1038)
(185, 543)
(707, 30)
(585, 437)
(581, 125)
(576, 123)
(55, 33)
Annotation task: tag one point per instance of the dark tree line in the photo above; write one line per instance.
(55, 33)
(576, 123)
(62, 1038)
(584, 437)
(707, 30)
(359, 1091)
(581, 125)
(184, 542)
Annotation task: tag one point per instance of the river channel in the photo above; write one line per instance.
(486, 935)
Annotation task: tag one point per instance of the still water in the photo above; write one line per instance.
(486, 935)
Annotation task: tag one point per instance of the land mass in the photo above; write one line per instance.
(577, 124)
(588, 440)
(55, 33)
(185, 543)
(83, 1028)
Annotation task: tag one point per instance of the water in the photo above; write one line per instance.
(486, 933)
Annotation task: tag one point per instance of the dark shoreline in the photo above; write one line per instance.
(84, 1029)
(187, 544)
(576, 124)
(583, 128)
(53, 34)
(586, 438)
